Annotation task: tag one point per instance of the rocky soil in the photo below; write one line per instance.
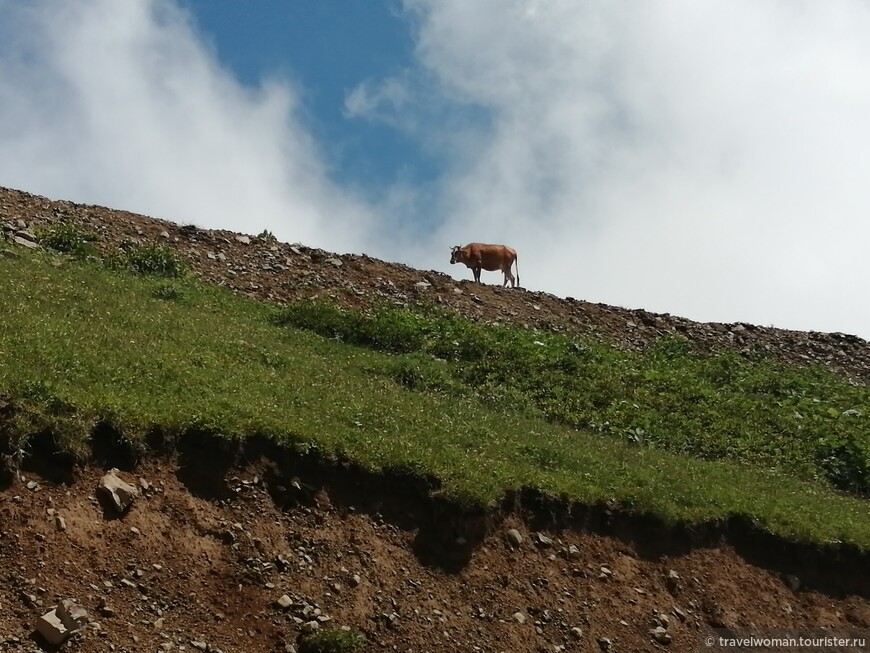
(239, 571)
(247, 552)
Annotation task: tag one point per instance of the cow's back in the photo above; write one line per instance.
(493, 257)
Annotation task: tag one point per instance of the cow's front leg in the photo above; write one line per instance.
(478, 266)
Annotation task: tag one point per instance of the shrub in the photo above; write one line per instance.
(846, 462)
(318, 316)
(422, 372)
(399, 331)
(391, 331)
(332, 640)
(167, 292)
(669, 348)
(156, 260)
(67, 238)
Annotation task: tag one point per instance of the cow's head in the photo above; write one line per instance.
(456, 254)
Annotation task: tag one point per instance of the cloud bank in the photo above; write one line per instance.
(123, 104)
(704, 158)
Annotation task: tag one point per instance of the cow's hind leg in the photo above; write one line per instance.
(508, 277)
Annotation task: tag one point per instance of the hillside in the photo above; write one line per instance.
(261, 268)
(375, 549)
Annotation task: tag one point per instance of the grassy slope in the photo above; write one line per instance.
(79, 344)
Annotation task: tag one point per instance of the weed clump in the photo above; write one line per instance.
(155, 260)
(67, 238)
(846, 461)
(167, 292)
(417, 371)
(388, 331)
(332, 640)
(442, 334)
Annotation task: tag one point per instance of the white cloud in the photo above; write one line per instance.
(704, 158)
(121, 103)
(385, 101)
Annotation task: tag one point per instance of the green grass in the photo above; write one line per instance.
(80, 344)
(805, 421)
(332, 640)
(67, 238)
(155, 260)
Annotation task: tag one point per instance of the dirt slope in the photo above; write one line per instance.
(206, 551)
(183, 566)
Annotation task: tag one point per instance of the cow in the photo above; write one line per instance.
(480, 256)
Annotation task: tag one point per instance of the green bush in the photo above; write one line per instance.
(67, 238)
(846, 461)
(669, 348)
(391, 331)
(156, 260)
(321, 317)
(422, 372)
(442, 334)
(332, 640)
(167, 292)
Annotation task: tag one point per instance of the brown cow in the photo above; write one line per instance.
(480, 256)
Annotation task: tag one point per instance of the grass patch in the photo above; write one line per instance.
(82, 345)
(167, 292)
(153, 260)
(67, 238)
(807, 422)
(333, 640)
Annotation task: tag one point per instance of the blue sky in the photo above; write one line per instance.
(327, 49)
(705, 158)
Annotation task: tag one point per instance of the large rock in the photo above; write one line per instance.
(25, 242)
(72, 614)
(52, 629)
(116, 492)
(58, 624)
(661, 635)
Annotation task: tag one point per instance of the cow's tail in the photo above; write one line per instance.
(517, 264)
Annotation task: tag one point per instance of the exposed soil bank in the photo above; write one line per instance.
(222, 531)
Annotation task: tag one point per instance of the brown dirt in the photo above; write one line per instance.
(218, 541)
